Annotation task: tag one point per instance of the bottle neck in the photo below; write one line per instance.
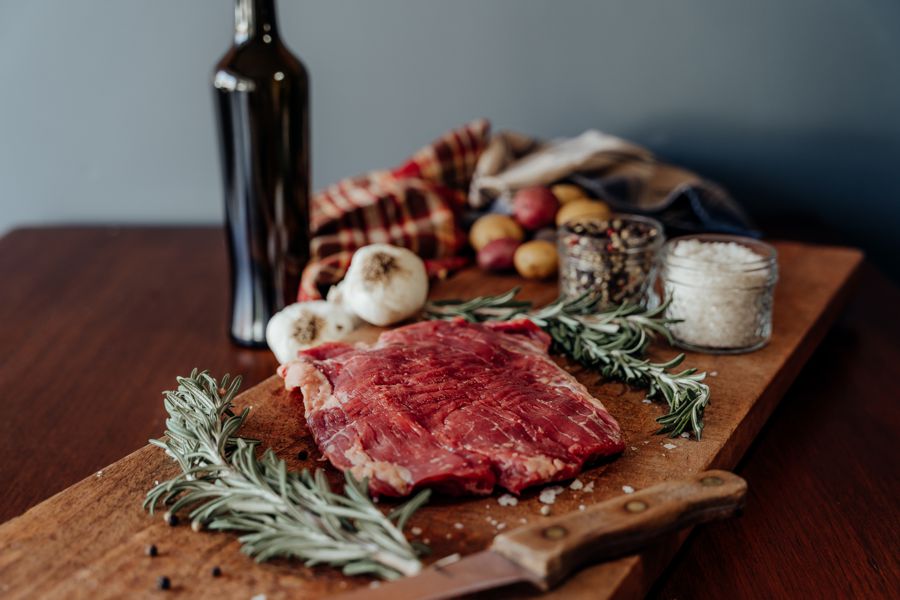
(254, 19)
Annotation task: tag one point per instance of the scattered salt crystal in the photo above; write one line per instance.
(581, 507)
(588, 488)
(669, 446)
(501, 526)
(647, 401)
(447, 560)
(548, 495)
(634, 448)
(416, 531)
(545, 510)
(713, 373)
(576, 485)
(685, 435)
(507, 500)
(375, 584)
(646, 442)
(156, 482)
(458, 525)
(523, 520)
(627, 489)
(100, 473)
(259, 597)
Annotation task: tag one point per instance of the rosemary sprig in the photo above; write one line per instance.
(224, 486)
(614, 342)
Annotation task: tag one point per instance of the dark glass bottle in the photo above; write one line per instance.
(262, 105)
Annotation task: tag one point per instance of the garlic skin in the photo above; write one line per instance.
(305, 324)
(384, 285)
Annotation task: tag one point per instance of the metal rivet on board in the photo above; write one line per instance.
(555, 532)
(636, 506)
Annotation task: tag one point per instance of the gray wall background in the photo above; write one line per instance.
(105, 107)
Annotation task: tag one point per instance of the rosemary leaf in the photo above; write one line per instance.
(278, 513)
(613, 342)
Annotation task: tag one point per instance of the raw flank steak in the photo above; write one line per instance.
(459, 407)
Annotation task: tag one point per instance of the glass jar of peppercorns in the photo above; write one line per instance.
(612, 260)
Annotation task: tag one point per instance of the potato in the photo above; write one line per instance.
(581, 209)
(536, 259)
(494, 227)
(534, 207)
(497, 255)
(566, 192)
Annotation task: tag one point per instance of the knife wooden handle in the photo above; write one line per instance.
(556, 546)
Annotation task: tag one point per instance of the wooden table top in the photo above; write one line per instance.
(96, 322)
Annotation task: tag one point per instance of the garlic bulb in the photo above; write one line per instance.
(306, 324)
(385, 284)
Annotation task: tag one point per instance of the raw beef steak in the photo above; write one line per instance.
(451, 405)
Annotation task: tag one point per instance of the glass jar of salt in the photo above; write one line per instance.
(721, 288)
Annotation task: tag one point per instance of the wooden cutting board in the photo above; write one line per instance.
(88, 541)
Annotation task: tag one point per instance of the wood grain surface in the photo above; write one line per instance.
(97, 322)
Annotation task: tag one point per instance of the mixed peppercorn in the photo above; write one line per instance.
(612, 260)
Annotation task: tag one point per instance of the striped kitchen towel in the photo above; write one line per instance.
(417, 206)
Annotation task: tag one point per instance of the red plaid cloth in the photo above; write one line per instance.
(416, 206)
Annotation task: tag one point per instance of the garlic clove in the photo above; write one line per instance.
(305, 324)
(385, 284)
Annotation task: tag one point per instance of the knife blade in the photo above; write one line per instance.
(546, 552)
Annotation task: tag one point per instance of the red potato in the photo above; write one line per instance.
(535, 207)
(497, 255)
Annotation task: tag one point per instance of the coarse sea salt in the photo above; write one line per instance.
(448, 560)
(627, 489)
(721, 291)
(576, 485)
(548, 495)
(507, 500)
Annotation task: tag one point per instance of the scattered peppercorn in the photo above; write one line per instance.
(163, 582)
(151, 550)
(216, 571)
(171, 520)
(303, 455)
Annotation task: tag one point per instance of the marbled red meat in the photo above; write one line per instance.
(459, 407)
